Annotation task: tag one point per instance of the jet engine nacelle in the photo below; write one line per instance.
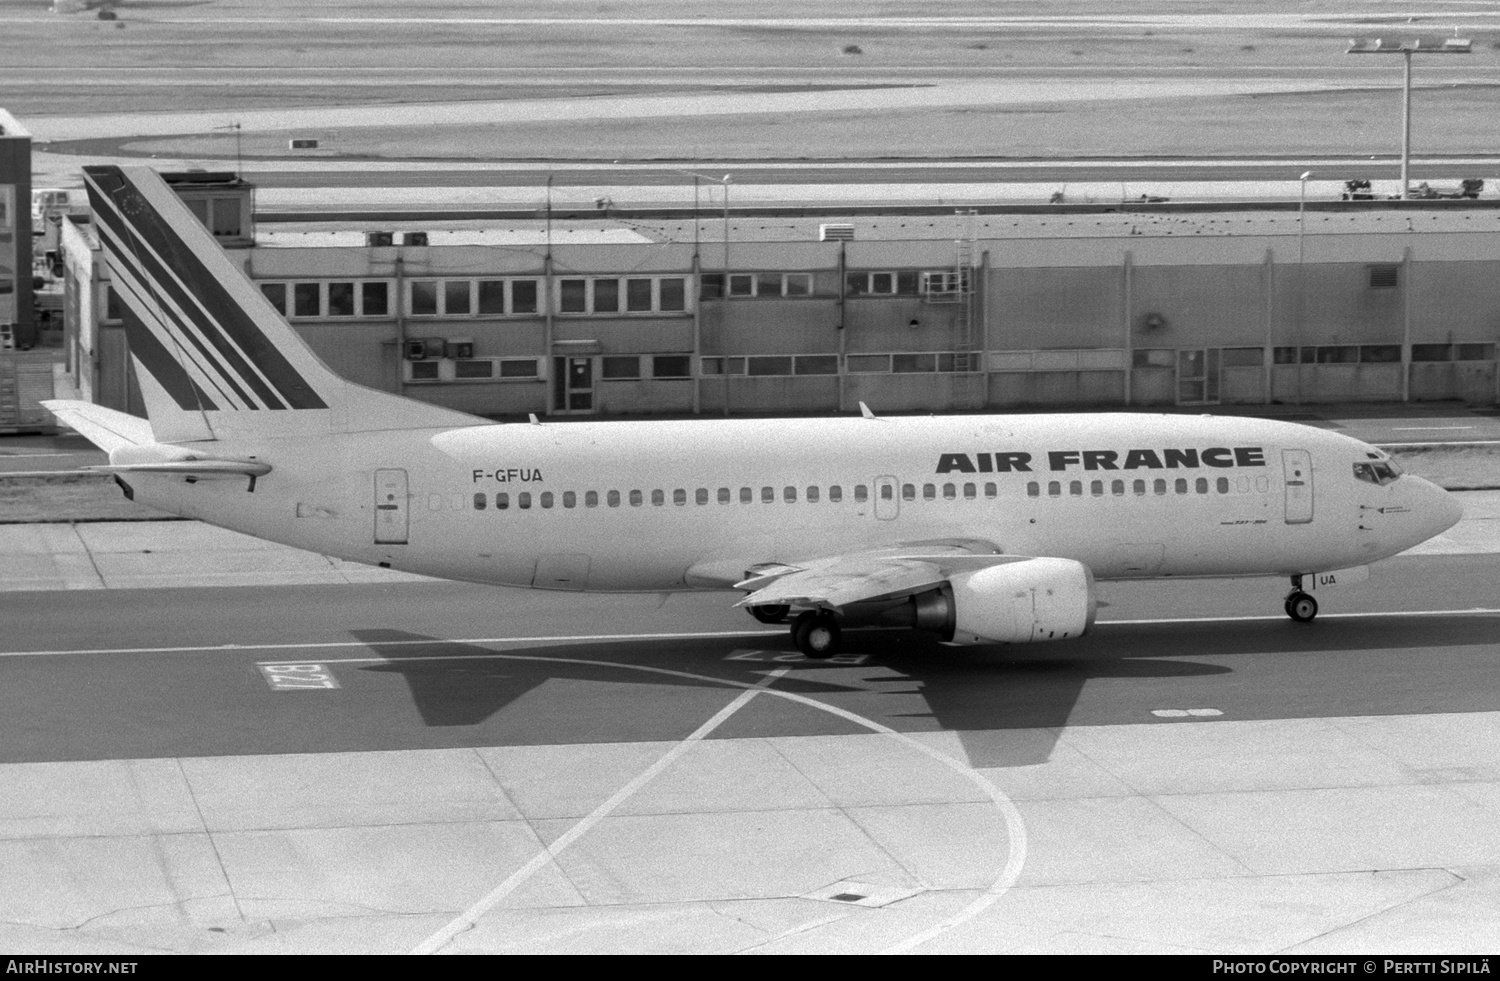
(1020, 602)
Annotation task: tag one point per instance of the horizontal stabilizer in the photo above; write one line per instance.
(192, 468)
(107, 429)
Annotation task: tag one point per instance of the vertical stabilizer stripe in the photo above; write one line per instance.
(178, 312)
(251, 362)
(204, 378)
(163, 366)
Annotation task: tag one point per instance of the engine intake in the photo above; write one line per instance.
(1020, 602)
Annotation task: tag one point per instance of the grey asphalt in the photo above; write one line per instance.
(422, 684)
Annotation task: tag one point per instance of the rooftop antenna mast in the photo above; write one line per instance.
(239, 150)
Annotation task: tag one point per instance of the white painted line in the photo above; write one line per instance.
(1015, 827)
(1457, 442)
(1185, 713)
(1321, 616)
(321, 645)
(704, 635)
(470, 916)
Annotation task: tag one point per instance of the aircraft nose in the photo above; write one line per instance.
(1440, 509)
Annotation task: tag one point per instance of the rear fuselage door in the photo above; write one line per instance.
(1299, 486)
(390, 507)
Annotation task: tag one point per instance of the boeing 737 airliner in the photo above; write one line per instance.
(981, 529)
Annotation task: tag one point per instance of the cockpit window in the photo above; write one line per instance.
(1380, 473)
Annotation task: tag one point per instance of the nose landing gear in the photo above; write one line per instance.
(1300, 606)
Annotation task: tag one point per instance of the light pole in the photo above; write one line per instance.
(1406, 48)
(1301, 273)
(698, 290)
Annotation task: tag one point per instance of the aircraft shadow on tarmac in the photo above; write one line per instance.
(1121, 674)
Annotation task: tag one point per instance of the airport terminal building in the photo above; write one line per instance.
(958, 312)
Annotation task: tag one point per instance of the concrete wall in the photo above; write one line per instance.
(15, 232)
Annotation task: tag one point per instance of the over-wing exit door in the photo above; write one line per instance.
(390, 507)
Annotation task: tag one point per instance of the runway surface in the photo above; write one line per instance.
(434, 767)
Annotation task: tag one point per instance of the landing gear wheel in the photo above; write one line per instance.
(771, 613)
(817, 635)
(1301, 607)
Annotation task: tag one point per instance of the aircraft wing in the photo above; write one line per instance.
(876, 574)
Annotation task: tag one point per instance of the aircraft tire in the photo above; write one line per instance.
(817, 635)
(1301, 607)
(771, 613)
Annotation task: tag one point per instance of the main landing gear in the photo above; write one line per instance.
(1300, 606)
(816, 634)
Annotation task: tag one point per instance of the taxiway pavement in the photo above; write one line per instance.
(399, 766)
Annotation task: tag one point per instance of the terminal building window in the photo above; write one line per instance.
(1385, 277)
(617, 367)
(1452, 352)
(472, 297)
(338, 299)
(771, 365)
(613, 295)
(472, 369)
(892, 283)
(757, 284)
(1350, 354)
(671, 366)
(828, 364)
(220, 215)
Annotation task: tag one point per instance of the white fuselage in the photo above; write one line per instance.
(642, 505)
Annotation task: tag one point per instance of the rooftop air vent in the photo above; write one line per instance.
(835, 233)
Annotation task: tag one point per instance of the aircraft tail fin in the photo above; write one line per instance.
(214, 358)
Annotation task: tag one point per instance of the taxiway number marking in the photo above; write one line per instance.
(302, 676)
